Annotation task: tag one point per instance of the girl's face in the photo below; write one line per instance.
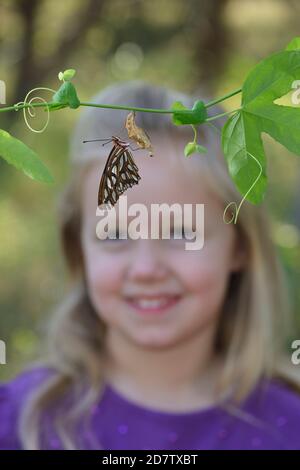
(154, 291)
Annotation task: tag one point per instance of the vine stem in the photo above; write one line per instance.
(223, 98)
(222, 114)
(17, 107)
(195, 134)
(132, 108)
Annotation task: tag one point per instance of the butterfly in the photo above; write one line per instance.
(120, 172)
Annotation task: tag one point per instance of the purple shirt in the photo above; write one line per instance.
(271, 421)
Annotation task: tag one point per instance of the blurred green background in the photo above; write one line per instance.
(186, 44)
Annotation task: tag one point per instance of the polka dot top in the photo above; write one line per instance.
(268, 419)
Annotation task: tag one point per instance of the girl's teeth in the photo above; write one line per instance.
(153, 305)
(143, 303)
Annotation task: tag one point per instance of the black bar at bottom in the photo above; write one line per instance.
(136, 458)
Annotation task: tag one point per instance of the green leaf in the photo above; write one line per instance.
(193, 147)
(189, 149)
(66, 75)
(293, 45)
(271, 79)
(65, 96)
(22, 157)
(280, 122)
(201, 149)
(69, 74)
(196, 115)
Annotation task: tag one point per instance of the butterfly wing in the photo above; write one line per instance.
(119, 174)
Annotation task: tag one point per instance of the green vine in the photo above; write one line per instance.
(242, 145)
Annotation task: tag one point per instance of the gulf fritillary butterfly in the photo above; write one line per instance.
(120, 172)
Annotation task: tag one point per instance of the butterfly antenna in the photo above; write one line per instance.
(97, 140)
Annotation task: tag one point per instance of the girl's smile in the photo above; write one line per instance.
(154, 304)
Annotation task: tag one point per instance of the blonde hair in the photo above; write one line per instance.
(249, 336)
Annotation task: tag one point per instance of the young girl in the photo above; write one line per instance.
(156, 346)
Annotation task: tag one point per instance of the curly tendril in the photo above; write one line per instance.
(237, 208)
(31, 110)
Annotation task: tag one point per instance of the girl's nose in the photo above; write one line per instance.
(147, 262)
